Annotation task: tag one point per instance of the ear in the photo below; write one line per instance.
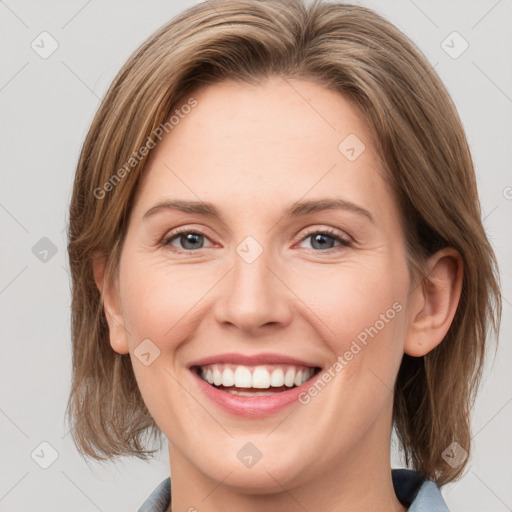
(111, 306)
(434, 303)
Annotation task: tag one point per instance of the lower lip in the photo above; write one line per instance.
(253, 406)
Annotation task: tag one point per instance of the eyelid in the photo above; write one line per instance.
(165, 241)
(333, 232)
(341, 236)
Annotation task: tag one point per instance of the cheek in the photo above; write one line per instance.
(159, 300)
(160, 304)
(360, 310)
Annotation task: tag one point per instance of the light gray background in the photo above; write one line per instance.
(46, 108)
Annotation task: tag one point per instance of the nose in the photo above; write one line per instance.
(254, 296)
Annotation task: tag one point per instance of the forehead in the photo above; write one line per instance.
(260, 144)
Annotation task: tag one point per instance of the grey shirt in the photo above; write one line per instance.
(411, 489)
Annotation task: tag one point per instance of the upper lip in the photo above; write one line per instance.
(252, 360)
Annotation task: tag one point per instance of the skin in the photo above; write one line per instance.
(252, 151)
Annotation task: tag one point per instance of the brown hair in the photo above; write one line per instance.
(424, 151)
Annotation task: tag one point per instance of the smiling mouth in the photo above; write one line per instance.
(250, 381)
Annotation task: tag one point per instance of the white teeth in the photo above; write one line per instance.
(289, 378)
(217, 376)
(243, 377)
(228, 379)
(259, 377)
(277, 378)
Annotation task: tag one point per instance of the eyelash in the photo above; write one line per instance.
(327, 232)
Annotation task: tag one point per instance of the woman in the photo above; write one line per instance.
(277, 258)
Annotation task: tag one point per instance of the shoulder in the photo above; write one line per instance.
(160, 499)
(419, 494)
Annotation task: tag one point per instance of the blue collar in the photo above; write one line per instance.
(415, 492)
(411, 489)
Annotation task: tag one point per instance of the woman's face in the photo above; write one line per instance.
(251, 282)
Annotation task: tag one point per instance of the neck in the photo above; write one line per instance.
(360, 481)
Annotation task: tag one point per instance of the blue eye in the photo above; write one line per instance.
(188, 240)
(325, 240)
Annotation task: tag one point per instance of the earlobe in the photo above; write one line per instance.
(111, 306)
(434, 303)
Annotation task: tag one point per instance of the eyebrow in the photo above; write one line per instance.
(296, 209)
